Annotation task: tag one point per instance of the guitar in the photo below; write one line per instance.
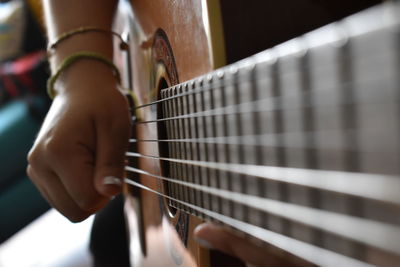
(295, 148)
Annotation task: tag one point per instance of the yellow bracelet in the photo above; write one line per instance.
(66, 35)
(74, 58)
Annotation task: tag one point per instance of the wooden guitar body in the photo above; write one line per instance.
(161, 56)
(209, 150)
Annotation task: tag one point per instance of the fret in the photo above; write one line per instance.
(279, 189)
(348, 112)
(305, 196)
(206, 198)
(350, 120)
(292, 71)
(256, 217)
(266, 69)
(163, 132)
(220, 131)
(177, 188)
(195, 146)
(293, 82)
(328, 118)
(265, 127)
(246, 93)
(235, 127)
(177, 135)
(278, 114)
(256, 118)
(209, 100)
(286, 84)
(179, 155)
(206, 97)
(176, 146)
(188, 146)
(184, 147)
(171, 147)
(207, 132)
(226, 181)
(396, 98)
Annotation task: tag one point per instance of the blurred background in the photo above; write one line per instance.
(23, 103)
(31, 234)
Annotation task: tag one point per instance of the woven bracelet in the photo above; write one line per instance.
(74, 58)
(66, 35)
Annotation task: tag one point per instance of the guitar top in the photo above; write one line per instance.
(296, 148)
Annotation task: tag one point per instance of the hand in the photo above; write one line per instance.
(82, 141)
(214, 237)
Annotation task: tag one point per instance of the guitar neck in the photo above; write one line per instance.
(296, 145)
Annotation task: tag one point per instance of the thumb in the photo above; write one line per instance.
(112, 141)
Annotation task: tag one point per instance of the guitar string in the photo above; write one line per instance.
(202, 87)
(228, 81)
(365, 185)
(291, 102)
(245, 107)
(293, 140)
(381, 235)
(311, 253)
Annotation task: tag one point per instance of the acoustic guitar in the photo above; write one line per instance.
(295, 148)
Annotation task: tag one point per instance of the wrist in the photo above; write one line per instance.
(93, 42)
(86, 75)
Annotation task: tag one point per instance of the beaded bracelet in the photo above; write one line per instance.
(66, 35)
(74, 58)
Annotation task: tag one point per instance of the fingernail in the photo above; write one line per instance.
(204, 243)
(112, 180)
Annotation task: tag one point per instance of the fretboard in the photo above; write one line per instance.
(297, 146)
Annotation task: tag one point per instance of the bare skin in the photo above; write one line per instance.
(77, 145)
(75, 148)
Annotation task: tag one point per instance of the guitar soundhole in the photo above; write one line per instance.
(164, 151)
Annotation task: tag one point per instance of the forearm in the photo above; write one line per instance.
(62, 16)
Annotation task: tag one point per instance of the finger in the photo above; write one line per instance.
(214, 237)
(39, 186)
(71, 157)
(112, 138)
(76, 176)
(54, 191)
(32, 174)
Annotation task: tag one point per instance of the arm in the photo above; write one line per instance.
(63, 16)
(85, 133)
